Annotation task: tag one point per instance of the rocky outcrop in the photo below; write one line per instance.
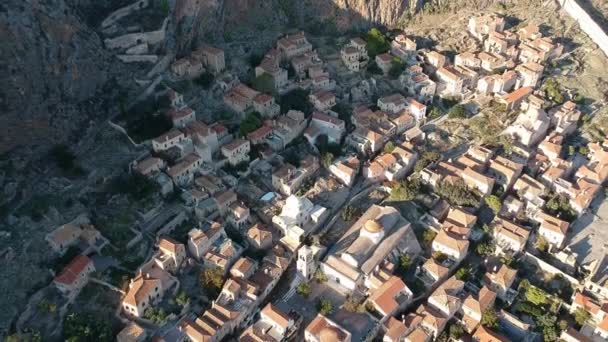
(386, 12)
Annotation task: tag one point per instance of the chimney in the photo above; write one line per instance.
(403, 318)
(147, 276)
(495, 268)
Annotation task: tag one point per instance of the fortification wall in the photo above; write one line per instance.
(586, 23)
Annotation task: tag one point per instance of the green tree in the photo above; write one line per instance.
(320, 276)
(405, 261)
(489, 319)
(156, 315)
(304, 289)
(377, 43)
(542, 244)
(373, 68)
(327, 159)
(457, 112)
(464, 273)
(456, 331)
(164, 6)
(426, 158)
(85, 328)
(325, 307)
(251, 122)
(348, 213)
(484, 249)
(296, 99)
(581, 316)
(457, 193)
(536, 296)
(205, 80)
(389, 147)
(264, 83)
(428, 236)
(494, 203)
(397, 68)
(63, 157)
(182, 298)
(405, 190)
(212, 280)
(439, 257)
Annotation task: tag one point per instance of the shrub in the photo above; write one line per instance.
(397, 68)
(405, 190)
(78, 327)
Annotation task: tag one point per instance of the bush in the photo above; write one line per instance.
(405, 190)
(182, 298)
(553, 91)
(405, 261)
(427, 158)
(464, 273)
(349, 213)
(439, 257)
(373, 68)
(457, 193)
(155, 315)
(457, 112)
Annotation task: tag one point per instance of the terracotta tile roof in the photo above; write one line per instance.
(168, 245)
(461, 217)
(554, 224)
(276, 315)
(384, 57)
(263, 98)
(435, 268)
(385, 296)
(235, 144)
(456, 244)
(140, 289)
(504, 277)
(172, 134)
(395, 329)
(73, 270)
(484, 335)
(65, 233)
(517, 94)
(259, 133)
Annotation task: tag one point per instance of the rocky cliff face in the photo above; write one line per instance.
(56, 71)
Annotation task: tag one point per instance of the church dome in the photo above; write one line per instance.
(329, 334)
(373, 226)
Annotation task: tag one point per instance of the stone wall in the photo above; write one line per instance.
(586, 23)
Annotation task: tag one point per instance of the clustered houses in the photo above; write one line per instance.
(507, 62)
(391, 166)
(198, 158)
(354, 55)
(239, 299)
(192, 66)
(397, 114)
(324, 124)
(287, 179)
(380, 235)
